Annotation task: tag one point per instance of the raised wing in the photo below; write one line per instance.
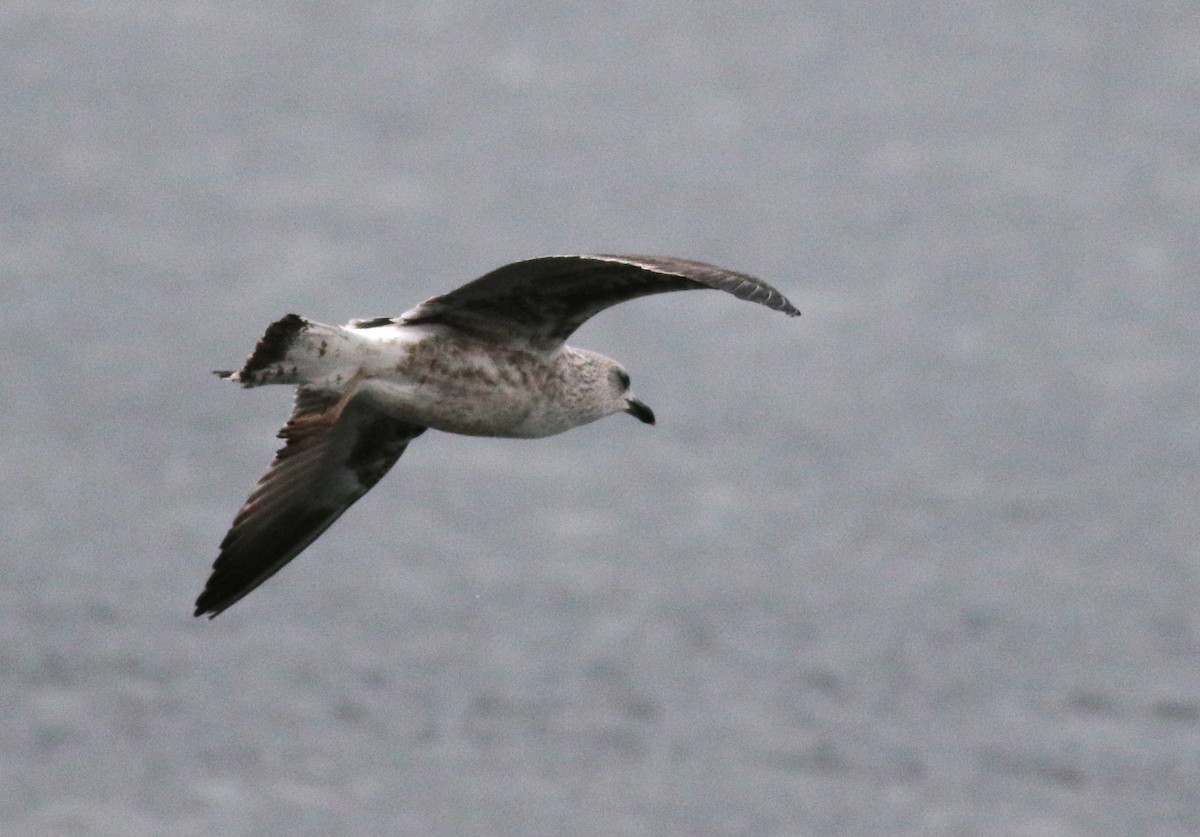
(544, 300)
(335, 451)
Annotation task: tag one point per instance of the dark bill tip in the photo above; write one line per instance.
(639, 411)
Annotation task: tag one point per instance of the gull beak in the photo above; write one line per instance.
(639, 410)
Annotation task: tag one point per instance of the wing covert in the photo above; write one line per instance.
(544, 300)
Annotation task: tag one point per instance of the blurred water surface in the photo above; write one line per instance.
(922, 561)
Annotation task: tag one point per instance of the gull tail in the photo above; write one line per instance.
(292, 351)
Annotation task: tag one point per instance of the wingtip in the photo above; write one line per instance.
(209, 604)
(783, 305)
(204, 608)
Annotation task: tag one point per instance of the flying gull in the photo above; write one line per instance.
(486, 359)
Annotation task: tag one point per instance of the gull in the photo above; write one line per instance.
(487, 359)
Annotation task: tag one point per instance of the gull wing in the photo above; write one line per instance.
(544, 300)
(337, 448)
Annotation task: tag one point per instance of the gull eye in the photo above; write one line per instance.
(622, 378)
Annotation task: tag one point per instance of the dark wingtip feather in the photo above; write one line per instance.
(214, 601)
(787, 308)
(206, 604)
(741, 285)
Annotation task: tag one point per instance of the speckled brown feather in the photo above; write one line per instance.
(335, 450)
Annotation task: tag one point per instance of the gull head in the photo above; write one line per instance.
(606, 384)
(627, 403)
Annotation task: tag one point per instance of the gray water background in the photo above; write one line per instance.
(923, 561)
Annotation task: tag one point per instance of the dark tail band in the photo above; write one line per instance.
(273, 346)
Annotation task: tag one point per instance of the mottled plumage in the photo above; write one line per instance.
(487, 359)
